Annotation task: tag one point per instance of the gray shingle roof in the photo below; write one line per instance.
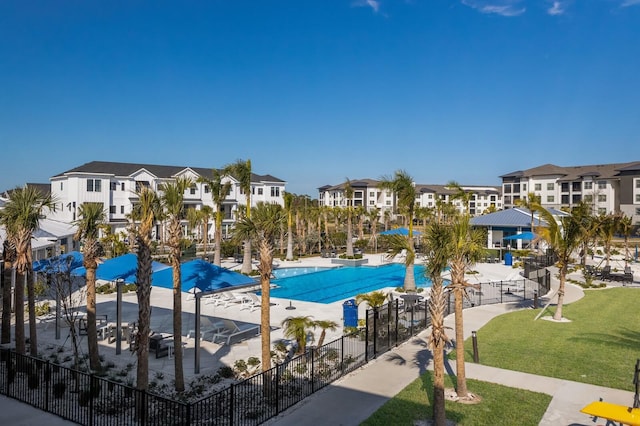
(160, 171)
(572, 173)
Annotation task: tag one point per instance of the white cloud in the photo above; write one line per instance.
(373, 4)
(497, 7)
(557, 8)
(627, 3)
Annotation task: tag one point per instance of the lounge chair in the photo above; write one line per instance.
(206, 326)
(253, 303)
(222, 299)
(231, 330)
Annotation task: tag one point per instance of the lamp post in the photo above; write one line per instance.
(196, 361)
(119, 283)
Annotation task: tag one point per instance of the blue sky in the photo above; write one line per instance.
(315, 92)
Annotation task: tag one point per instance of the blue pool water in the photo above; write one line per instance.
(292, 272)
(331, 285)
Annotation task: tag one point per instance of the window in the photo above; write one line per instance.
(550, 198)
(192, 190)
(430, 196)
(507, 199)
(637, 198)
(122, 186)
(357, 194)
(112, 209)
(537, 187)
(565, 199)
(507, 188)
(637, 211)
(637, 184)
(575, 186)
(516, 188)
(492, 198)
(62, 185)
(275, 191)
(602, 198)
(206, 189)
(602, 184)
(588, 198)
(524, 187)
(550, 186)
(259, 191)
(372, 203)
(94, 185)
(113, 186)
(121, 209)
(372, 194)
(602, 210)
(564, 187)
(388, 193)
(388, 203)
(588, 185)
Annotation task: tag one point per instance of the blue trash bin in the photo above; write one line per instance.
(508, 259)
(350, 313)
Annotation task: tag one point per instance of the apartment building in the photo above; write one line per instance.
(608, 187)
(366, 192)
(115, 185)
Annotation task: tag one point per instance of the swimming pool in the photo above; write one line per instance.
(296, 271)
(331, 285)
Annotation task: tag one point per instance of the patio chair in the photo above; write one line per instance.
(221, 299)
(206, 326)
(231, 330)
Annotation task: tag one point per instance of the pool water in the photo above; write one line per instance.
(332, 285)
(296, 271)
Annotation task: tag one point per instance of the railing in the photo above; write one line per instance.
(92, 400)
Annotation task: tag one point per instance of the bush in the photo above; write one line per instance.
(226, 372)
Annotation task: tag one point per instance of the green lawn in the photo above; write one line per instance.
(599, 346)
(500, 405)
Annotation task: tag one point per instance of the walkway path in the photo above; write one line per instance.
(357, 396)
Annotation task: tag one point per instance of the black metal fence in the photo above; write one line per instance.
(92, 400)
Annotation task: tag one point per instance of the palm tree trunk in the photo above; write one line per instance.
(246, 260)
(92, 332)
(177, 319)
(217, 257)
(461, 377)
(18, 304)
(563, 276)
(409, 277)
(289, 241)
(6, 303)
(266, 253)
(349, 235)
(144, 313)
(437, 342)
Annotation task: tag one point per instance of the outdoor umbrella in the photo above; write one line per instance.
(522, 236)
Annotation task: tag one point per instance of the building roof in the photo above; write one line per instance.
(513, 218)
(44, 188)
(161, 171)
(572, 173)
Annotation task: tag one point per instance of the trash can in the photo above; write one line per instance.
(508, 259)
(350, 313)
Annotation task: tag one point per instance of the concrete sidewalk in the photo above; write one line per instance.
(354, 398)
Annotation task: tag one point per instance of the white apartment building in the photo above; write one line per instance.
(366, 192)
(608, 187)
(115, 185)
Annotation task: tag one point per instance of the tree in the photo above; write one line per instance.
(607, 226)
(466, 248)
(375, 299)
(173, 203)
(144, 213)
(563, 236)
(460, 194)
(288, 208)
(324, 325)
(92, 216)
(582, 214)
(437, 240)
(297, 328)
(9, 257)
(219, 191)
(529, 202)
(348, 195)
(372, 216)
(263, 226)
(626, 227)
(241, 170)
(21, 217)
(402, 186)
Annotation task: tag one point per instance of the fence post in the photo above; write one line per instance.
(366, 336)
(313, 375)
(231, 404)
(396, 318)
(535, 299)
(47, 384)
(92, 388)
(277, 383)
(342, 355)
(375, 332)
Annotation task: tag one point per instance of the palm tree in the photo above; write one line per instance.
(529, 202)
(145, 213)
(205, 214)
(288, 208)
(348, 195)
(324, 325)
(21, 217)
(582, 214)
(297, 328)
(241, 170)
(467, 247)
(437, 241)
(402, 186)
(372, 216)
(219, 191)
(173, 203)
(92, 216)
(374, 299)
(9, 257)
(626, 227)
(563, 236)
(607, 227)
(263, 226)
(460, 194)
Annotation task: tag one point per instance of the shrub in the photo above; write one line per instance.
(226, 372)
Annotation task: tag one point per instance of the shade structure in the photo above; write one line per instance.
(122, 267)
(521, 236)
(199, 276)
(57, 264)
(399, 231)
